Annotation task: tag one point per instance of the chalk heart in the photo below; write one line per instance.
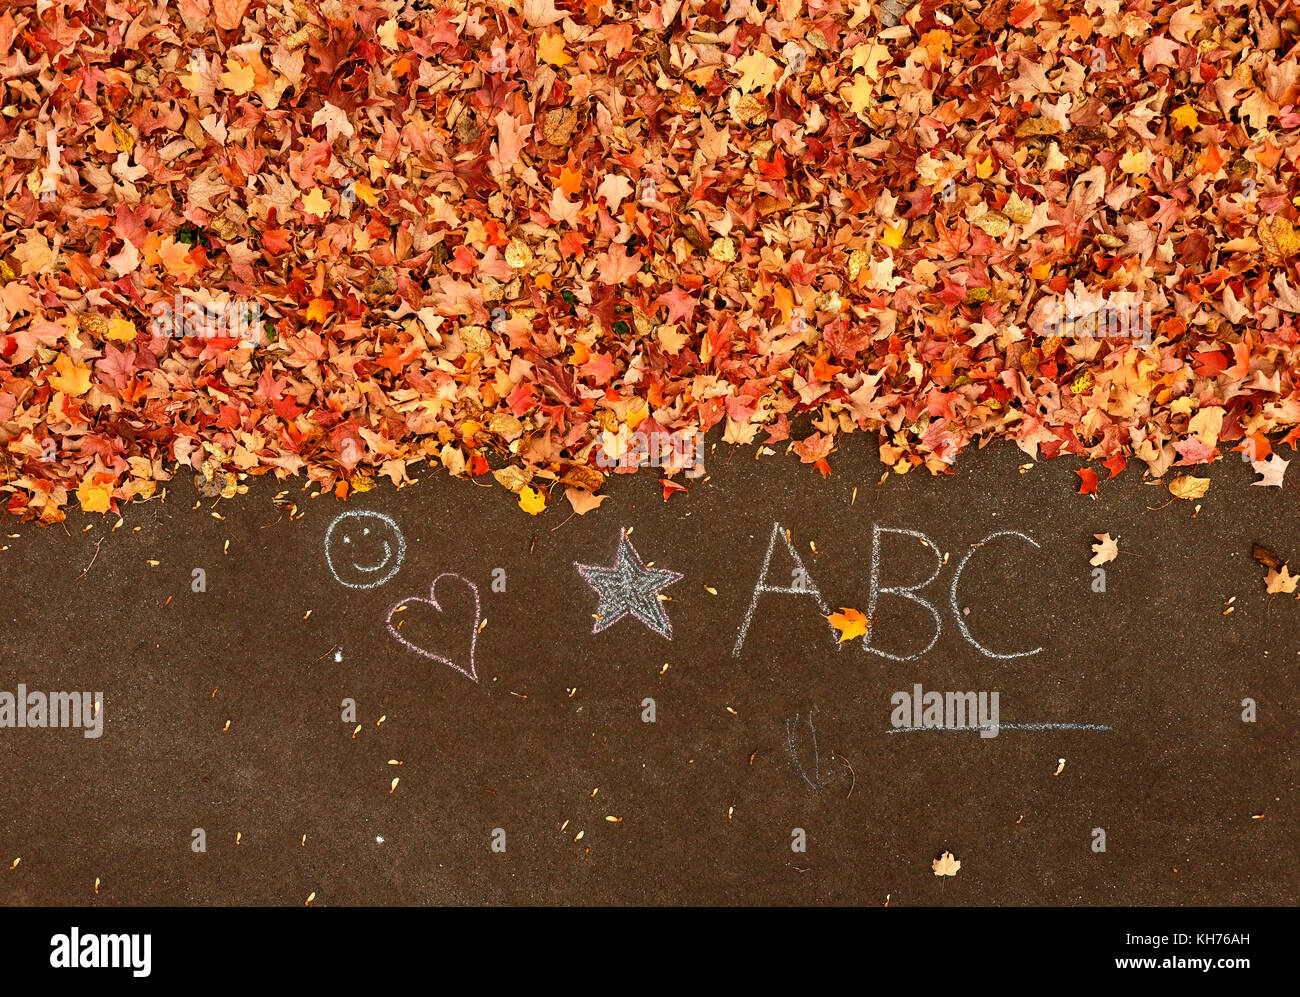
(451, 624)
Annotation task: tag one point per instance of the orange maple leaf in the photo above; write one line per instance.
(850, 623)
(319, 309)
(824, 370)
(229, 13)
(175, 256)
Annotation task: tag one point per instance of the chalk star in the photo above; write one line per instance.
(629, 587)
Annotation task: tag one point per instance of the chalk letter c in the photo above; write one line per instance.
(956, 609)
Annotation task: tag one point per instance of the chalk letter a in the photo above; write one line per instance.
(806, 586)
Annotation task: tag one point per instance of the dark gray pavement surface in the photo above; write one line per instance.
(1197, 806)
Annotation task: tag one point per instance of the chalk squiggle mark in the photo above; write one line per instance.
(817, 782)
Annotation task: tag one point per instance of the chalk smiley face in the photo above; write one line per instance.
(363, 549)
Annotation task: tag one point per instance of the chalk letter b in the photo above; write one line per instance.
(903, 591)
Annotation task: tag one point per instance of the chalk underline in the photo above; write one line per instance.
(1030, 726)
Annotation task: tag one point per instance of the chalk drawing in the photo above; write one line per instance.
(364, 533)
(904, 591)
(803, 585)
(817, 782)
(628, 586)
(470, 672)
(956, 610)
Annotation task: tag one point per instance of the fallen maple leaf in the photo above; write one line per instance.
(1105, 550)
(120, 330)
(551, 48)
(531, 501)
(238, 78)
(850, 623)
(945, 865)
(1206, 424)
(858, 94)
(1088, 481)
(540, 13)
(314, 203)
(511, 135)
(615, 188)
(1279, 581)
(757, 72)
(1184, 117)
(175, 256)
(34, 253)
(335, 120)
(72, 378)
(1134, 161)
(94, 496)
(229, 13)
(1265, 556)
(1270, 471)
(1187, 487)
(671, 488)
(318, 309)
(582, 500)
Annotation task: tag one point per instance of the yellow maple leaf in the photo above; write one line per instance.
(869, 57)
(1185, 117)
(72, 378)
(858, 93)
(1206, 425)
(637, 415)
(1278, 237)
(757, 72)
(551, 48)
(120, 330)
(238, 78)
(531, 501)
(849, 622)
(94, 496)
(387, 35)
(314, 203)
(191, 81)
(893, 236)
(367, 193)
(1134, 162)
(1187, 487)
(984, 169)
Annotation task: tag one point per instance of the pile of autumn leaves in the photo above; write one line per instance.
(504, 238)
